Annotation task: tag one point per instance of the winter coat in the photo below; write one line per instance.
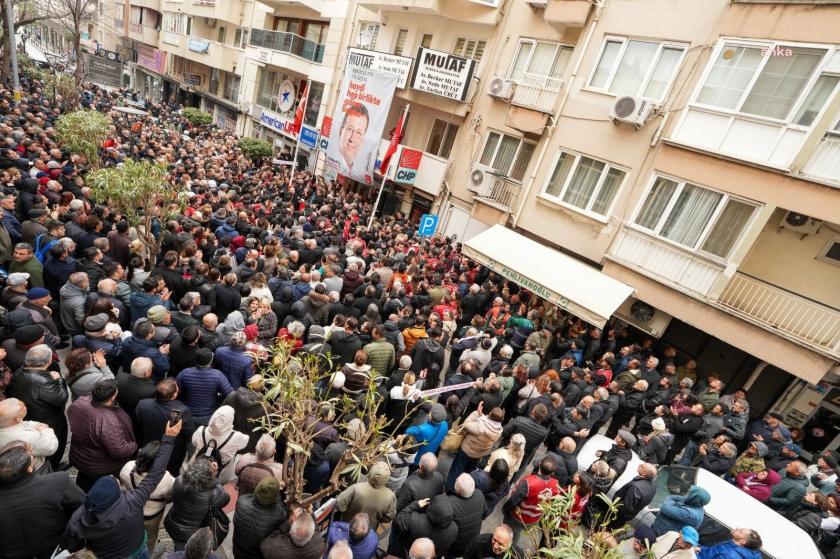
(201, 388)
(633, 497)
(134, 347)
(427, 352)
(728, 550)
(747, 463)
(805, 516)
(42, 505)
(418, 486)
(655, 450)
(44, 396)
(788, 492)
(362, 549)
(190, 509)
(467, 514)
(567, 466)
(130, 479)
(103, 437)
(344, 346)
(72, 305)
(412, 335)
(130, 390)
(716, 463)
(678, 511)
(533, 432)
(252, 523)
(381, 356)
(735, 425)
(372, 497)
(119, 531)
(481, 434)
(150, 419)
(279, 545)
(435, 521)
(757, 488)
(228, 441)
(235, 364)
(84, 381)
(247, 406)
(429, 435)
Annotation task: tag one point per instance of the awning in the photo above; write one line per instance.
(571, 285)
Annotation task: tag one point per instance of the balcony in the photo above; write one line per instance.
(144, 34)
(225, 10)
(536, 92)
(428, 176)
(787, 314)
(210, 53)
(824, 163)
(666, 262)
(499, 192)
(289, 43)
(469, 11)
(151, 4)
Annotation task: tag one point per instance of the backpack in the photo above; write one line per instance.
(212, 450)
(41, 249)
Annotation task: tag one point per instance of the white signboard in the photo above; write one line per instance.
(381, 62)
(443, 74)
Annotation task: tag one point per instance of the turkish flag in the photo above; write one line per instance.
(396, 137)
(301, 109)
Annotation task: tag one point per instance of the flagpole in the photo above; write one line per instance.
(401, 123)
(300, 131)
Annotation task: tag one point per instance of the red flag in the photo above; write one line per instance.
(301, 109)
(396, 137)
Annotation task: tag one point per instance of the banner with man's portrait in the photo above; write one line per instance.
(358, 121)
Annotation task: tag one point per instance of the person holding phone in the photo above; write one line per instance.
(152, 416)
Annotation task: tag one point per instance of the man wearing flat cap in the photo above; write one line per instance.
(15, 291)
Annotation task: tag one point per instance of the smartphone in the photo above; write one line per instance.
(174, 417)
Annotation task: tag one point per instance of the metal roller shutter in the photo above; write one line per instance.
(766, 389)
(722, 359)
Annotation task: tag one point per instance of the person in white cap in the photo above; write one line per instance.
(653, 447)
(15, 291)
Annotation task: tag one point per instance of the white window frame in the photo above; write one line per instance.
(376, 29)
(661, 44)
(446, 131)
(534, 42)
(421, 34)
(506, 173)
(467, 40)
(558, 199)
(769, 45)
(833, 240)
(404, 32)
(701, 240)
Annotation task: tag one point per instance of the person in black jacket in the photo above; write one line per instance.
(228, 298)
(468, 506)
(631, 406)
(635, 495)
(427, 352)
(567, 464)
(110, 523)
(257, 515)
(498, 545)
(39, 506)
(196, 492)
(428, 518)
(152, 414)
(620, 454)
(424, 483)
(683, 428)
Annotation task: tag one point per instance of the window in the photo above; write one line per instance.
(630, 67)
(231, 91)
(213, 87)
(135, 15)
(399, 45)
(268, 85)
(442, 138)
(831, 251)
(470, 48)
(426, 40)
(368, 33)
(508, 155)
(701, 219)
(539, 62)
(240, 38)
(222, 35)
(585, 183)
(767, 80)
(177, 23)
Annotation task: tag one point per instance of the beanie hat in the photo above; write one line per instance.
(102, 495)
(17, 278)
(627, 437)
(645, 535)
(438, 413)
(28, 335)
(266, 491)
(238, 339)
(96, 323)
(36, 293)
(316, 332)
(156, 314)
(658, 424)
(761, 448)
(251, 332)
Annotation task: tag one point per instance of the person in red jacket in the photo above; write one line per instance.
(523, 507)
(758, 485)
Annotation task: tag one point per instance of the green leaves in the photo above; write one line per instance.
(255, 149)
(197, 117)
(83, 132)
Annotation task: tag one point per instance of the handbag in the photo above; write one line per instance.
(454, 439)
(218, 522)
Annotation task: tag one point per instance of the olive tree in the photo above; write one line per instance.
(197, 117)
(255, 149)
(140, 191)
(83, 132)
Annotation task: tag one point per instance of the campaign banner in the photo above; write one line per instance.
(151, 58)
(326, 126)
(358, 121)
(408, 165)
(443, 389)
(381, 62)
(442, 74)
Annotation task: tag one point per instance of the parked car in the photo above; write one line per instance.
(729, 508)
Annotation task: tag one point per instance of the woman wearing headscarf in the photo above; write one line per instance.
(512, 454)
(227, 440)
(233, 323)
(110, 522)
(678, 511)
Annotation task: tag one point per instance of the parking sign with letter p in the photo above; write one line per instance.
(428, 225)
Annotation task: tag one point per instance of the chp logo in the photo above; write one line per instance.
(408, 166)
(326, 127)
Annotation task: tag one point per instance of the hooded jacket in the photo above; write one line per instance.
(372, 497)
(344, 345)
(678, 511)
(467, 514)
(728, 550)
(72, 305)
(431, 433)
(656, 448)
(758, 488)
(435, 522)
(118, 532)
(219, 429)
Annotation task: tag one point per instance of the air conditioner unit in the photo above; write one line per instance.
(210, 22)
(632, 110)
(800, 223)
(644, 316)
(500, 87)
(537, 3)
(480, 177)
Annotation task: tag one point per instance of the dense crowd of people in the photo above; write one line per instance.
(145, 426)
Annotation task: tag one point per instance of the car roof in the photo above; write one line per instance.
(729, 506)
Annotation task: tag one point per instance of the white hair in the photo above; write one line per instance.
(38, 356)
(465, 485)
(340, 550)
(141, 366)
(506, 352)
(265, 447)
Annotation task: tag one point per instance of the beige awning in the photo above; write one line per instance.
(568, 283)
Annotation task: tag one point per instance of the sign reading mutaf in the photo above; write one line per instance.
(382, 62)
(443, 74)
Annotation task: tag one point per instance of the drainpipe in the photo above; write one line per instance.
(599, 6)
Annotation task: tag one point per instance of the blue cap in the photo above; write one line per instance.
(795, 448)
(690, 535)
(36, 293)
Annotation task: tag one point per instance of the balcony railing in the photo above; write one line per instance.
(666, 262)
(536, 92)
(791, 315)
(825, 161)
(289, 43)
(499, 191)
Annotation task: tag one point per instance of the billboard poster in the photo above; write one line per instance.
(103, 71)
(443, 74)
(408, 165)
(358, 121)
(381, 62)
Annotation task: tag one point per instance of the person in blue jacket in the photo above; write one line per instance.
(678, 511)
(430, 434)
(745, 544)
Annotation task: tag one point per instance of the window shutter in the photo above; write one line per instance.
(459, 47)
(400, 46)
